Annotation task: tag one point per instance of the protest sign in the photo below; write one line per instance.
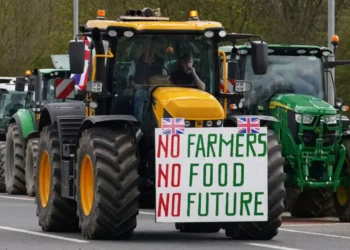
(211, 174)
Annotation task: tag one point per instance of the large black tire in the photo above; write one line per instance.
(313, 203)
(114, 203)
(2, 167)
(59, 214)
(31, 164)
(341, 205)
(291, 198)
(198, 227)
(15, 161)
(276, 191)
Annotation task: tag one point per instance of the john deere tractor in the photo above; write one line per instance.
(95, 167)
(20, 156)
(312, 128)
(11, 100)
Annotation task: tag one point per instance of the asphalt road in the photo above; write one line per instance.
(19, 230)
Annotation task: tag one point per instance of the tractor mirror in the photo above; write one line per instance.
(76, 57)
(232, 70)
(20, 83)
(260, 55)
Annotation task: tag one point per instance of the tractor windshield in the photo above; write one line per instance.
(11, 101)
(287, 74)
(149, 61)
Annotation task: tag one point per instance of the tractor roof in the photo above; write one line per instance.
(289, 47)
(48, 71)
(154, 25)
(150, 20)
(285, 49)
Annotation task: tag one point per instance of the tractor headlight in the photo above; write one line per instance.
(209, 123)
(307, 119)
(330, 119)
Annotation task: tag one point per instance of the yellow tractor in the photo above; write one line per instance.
(96, 160)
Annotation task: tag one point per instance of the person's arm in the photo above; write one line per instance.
(131, 70)
(165, 72)
(199, 82)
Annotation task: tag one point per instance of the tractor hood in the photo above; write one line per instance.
(189, 103)
(303, 104)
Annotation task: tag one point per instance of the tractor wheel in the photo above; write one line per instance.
(56, 214)
(313, 203)
(107, 183)
(341, 197)
(291, 198)
(31, 164)
(15, 161)
(268, 229)
(198, 227)
(2, 166)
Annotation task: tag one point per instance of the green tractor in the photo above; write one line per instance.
(312, 128)
(19, 158)
(11, 100)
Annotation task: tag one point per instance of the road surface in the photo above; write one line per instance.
(19, 230)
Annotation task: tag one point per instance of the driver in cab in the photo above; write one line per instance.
(147, 65)
(186, 75)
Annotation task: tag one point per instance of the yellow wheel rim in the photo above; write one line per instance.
(87, 185)
(44, 178)
(342, 195)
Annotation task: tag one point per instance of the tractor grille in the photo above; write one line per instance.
(69, 127)
(329, 137)
(310, 136)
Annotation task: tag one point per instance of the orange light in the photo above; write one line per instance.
(28, 73)
(345, 108)
(193, 13)
(170, 50)
(335, 39)
(101, 13)
(232, 106)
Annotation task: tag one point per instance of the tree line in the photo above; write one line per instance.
(31, 31)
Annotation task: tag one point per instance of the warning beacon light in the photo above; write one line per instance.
(193, 15)
(101, 14)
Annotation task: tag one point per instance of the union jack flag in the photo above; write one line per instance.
(248, 125)
(81, 79)
(173, 126)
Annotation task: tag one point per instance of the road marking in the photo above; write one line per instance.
(311, 224)
(147, 213)
(312, 233)
(271, 246)
(43, 234)
(17, 198)
(32, 199)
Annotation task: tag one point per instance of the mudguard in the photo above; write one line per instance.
(24, 119)
(112, 120)
(52, 111)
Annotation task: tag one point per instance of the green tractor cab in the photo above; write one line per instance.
(312, 128)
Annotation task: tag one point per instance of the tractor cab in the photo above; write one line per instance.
(11, 100)
(298, 69)
(144, 71)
